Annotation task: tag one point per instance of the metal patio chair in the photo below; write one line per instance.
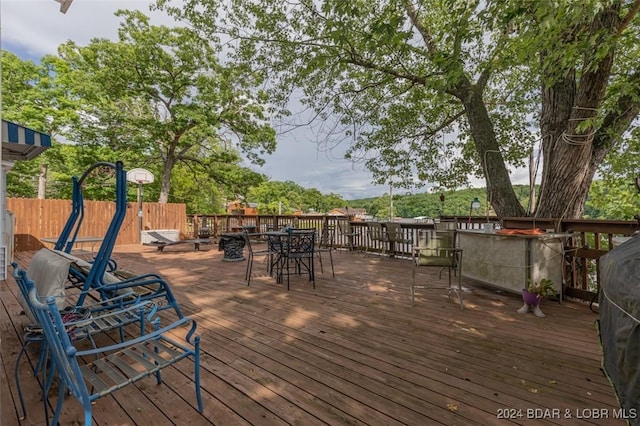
(324, 244)
(395, 236)
(436, 248)
(252, 254)
(115, 366)
(346, 230)
(293, 250)
(377, 236)
(80, 323)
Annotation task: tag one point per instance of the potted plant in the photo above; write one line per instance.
(533, 294)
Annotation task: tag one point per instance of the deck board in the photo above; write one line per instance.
(352, 351)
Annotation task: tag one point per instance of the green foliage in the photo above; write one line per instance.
(456, 203)
(422, 91)
(286, 197)
(614, 195)
(612, 200)
(210, 170)
(543, 288)
(162, 93)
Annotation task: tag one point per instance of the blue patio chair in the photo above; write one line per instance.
(112, 284)
(98, 275)
(115, 366)
(80, 323)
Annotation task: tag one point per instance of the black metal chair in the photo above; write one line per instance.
(252, 254)
(292, 250)
(324, 244)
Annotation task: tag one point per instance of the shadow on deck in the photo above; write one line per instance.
(352, 351)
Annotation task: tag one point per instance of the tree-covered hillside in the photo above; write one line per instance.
(616, 202)
(431, 204)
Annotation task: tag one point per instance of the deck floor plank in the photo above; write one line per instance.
(352, 351)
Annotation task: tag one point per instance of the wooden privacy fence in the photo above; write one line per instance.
(36, 219)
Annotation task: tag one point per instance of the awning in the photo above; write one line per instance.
(21, 143)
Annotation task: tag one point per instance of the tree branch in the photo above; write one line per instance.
(446, 122)
(355, 60)
(619, 118)
(627, 19)
(426, 36)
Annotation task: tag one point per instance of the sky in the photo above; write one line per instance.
(34, 28)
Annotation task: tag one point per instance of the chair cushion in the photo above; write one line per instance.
(84, 266)
(49, 273)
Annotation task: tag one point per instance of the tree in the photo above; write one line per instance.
(615, 195)
(22, 103)
(397, 75)
(162, 93)
(31, 96)
(275, 196)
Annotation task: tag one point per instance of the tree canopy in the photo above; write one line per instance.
(286, 197)
(437, 91)
(162, 93)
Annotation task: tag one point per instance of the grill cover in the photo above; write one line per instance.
(619, 323)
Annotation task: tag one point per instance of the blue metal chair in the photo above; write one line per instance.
(80, 323)
(96, 274)
(115, 366)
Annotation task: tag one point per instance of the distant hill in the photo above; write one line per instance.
(429, 204)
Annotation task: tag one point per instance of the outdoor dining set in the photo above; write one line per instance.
(289, 250)
(292, 250)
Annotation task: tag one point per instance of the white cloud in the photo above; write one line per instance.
(33, 28)
(37, 27)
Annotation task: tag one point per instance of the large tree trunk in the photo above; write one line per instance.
(500, 191)
(165, 183)
(572, 155)
(42, 182)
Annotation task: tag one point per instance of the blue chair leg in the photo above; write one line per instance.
(62, 390)
(17, 376)
(196, 365)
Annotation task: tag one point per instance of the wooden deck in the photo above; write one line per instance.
(353, 351)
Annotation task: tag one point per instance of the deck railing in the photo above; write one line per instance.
(589, 240)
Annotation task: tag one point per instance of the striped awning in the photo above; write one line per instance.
(21, 143)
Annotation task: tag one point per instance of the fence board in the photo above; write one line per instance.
(36, 219)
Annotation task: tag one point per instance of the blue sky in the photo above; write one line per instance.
(33, 28)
